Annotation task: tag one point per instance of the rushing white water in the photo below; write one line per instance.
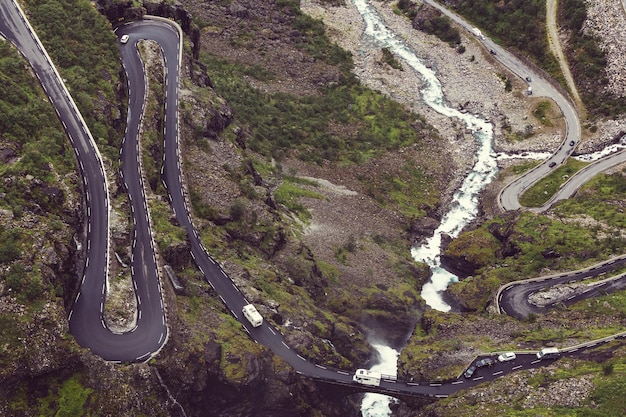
(594, 156)
(377, 405)
(464, 206)
(524, 155)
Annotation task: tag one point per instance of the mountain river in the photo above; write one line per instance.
(464, 206)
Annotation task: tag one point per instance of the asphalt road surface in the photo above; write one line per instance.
(513, 297)
(145, 340)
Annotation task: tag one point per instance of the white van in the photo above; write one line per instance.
(253, 316)
(548, 353)
(366, 377)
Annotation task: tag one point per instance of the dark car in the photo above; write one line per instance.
(484, 362)
(492, 52)
(552, 164)
(528, 79)
(469, 372)
(572, 143)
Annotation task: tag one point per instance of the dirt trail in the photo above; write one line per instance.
(557, 50)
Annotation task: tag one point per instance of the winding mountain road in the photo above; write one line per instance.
(146, 339)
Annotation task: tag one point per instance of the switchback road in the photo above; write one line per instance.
(145, 340)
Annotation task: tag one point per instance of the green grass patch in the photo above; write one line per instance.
(167, 234)
(600, 198)
(289, 195)
(478, 247)
(535, 335)
(402, 188)
(329, 271)
(237, 351)
(541, 113)
(613, 304)
(545, 188)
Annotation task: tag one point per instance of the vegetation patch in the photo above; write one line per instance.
(390, 59)
(88, 59)
(541, 113)
(544, 189)
(530, 245)
(307, 127)
(167, 234)
(36, 180)
(66, 400)
(478, 247)
(588, 61)
(602, 198)
(289, 194)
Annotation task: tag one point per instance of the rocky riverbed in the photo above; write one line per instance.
(473, 79)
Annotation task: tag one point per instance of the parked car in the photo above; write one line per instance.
(528, 79)
(469, 372)
(506, 356)
(484, 362)
(492, 52)
(124, 38)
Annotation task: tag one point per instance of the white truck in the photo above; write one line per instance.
(478, 34)
(548, 353)
(366, 377)
(253, 316)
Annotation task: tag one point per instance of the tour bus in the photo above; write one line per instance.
(548, 353)
(253, 316)
(365, 377)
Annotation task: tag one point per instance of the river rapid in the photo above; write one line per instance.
(464, 206)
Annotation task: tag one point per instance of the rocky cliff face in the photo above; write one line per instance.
(209, 365)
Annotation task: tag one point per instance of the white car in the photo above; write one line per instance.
(124, 38)
(506, 356)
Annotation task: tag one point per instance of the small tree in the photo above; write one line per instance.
(237, 209)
